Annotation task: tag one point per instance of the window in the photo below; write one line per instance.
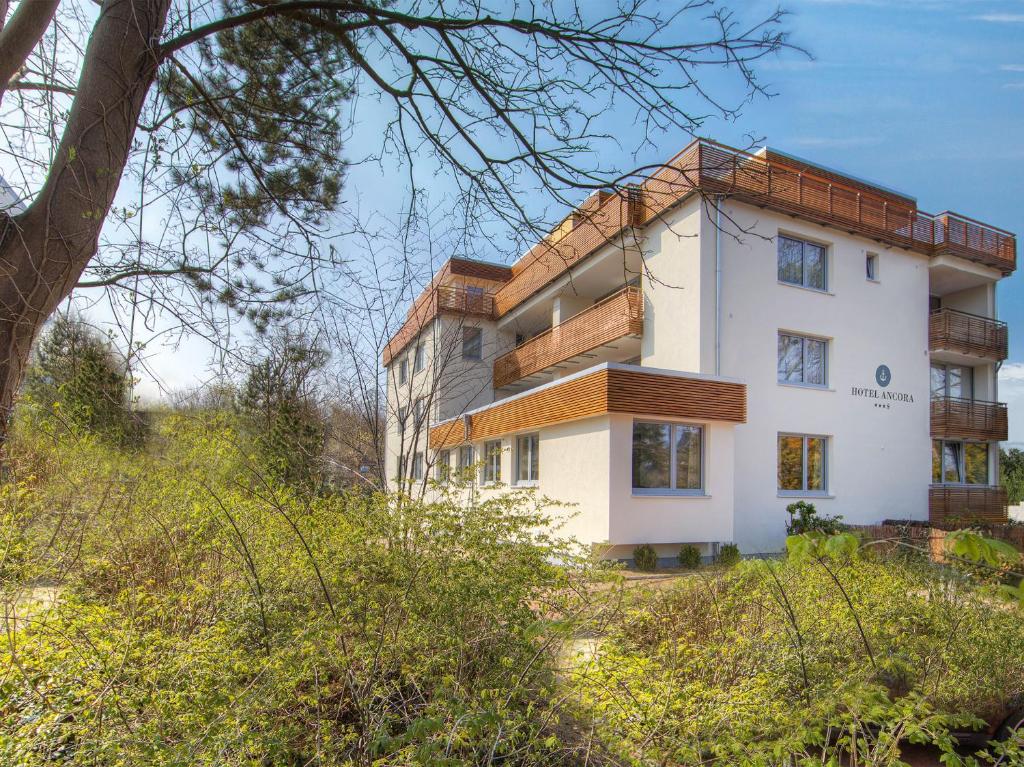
(472, 343)
(959, 463)
(952, 381)
(419, 358)
(443, 467)
(667, 457)
(802, 360)
(803, 464)
(465, 458)
(419, 409)
(417, 466)
(492, 461)
(802, 263)
(403, 370)
(527, 458)
(403, 415)
(871, 266)
(474, 298)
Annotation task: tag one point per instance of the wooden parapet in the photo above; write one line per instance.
(607, 389)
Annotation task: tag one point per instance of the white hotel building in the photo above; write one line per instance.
(679, 361)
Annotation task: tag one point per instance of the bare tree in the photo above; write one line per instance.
(228, 119)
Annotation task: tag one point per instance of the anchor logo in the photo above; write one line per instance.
(883, 375)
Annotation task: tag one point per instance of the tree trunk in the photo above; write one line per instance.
(44, 250)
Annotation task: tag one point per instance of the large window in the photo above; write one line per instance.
(527, 458)
(952, 381)
(667, 457)
(802, 263)
(419, 410)
(492, 461)
(803, 464)
(472, 343)
(419, 358)
(802, 360)
(403, 370)
(417, 466)
(959, 463)
(403, 416)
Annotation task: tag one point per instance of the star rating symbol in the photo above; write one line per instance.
(885, 406)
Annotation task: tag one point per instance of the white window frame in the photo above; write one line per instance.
(534, 480)
(672, 477)
(461, 464)
(443, 465)
(419, 358)
(804, 337)
(490, 472)
(825, 469)
(419, 411)
(417, 466)
(480, 343)
(871, 265)
(403, 370)
(825, 272)
(403, 418)
(962, 467)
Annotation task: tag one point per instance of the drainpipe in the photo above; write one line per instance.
(718, 285)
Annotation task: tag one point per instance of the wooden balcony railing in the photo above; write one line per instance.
(955, 418)
(960, 505)
(619, 315)
(766, 180)
(463, 300)
(950, 330)
(846, 204)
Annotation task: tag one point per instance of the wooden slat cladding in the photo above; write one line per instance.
(463, 267)
(665, 395)
(954, 418)
(619, 315)
(950, 330)
(606, 390)
(767, 181)
(966, 504)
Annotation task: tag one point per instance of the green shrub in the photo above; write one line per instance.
(729, 555)
(765, 664)
(689, 557)
(645, 558)
(205, 616)
(803, 518)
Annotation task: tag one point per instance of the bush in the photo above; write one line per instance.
(645, 558)
(204, 616)
(803, 518)
(764, 664)
(689, 557)
(729, 555)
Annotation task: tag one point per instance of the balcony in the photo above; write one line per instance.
(955, 418)
(843, 203)
(954, 505)
(465, 300)
(618, 316)
(968, 334)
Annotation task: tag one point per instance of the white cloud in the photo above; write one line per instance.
(1012, 67)
(1014, 86)
(1000, 18)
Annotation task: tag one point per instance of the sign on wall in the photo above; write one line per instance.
(882, 396)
